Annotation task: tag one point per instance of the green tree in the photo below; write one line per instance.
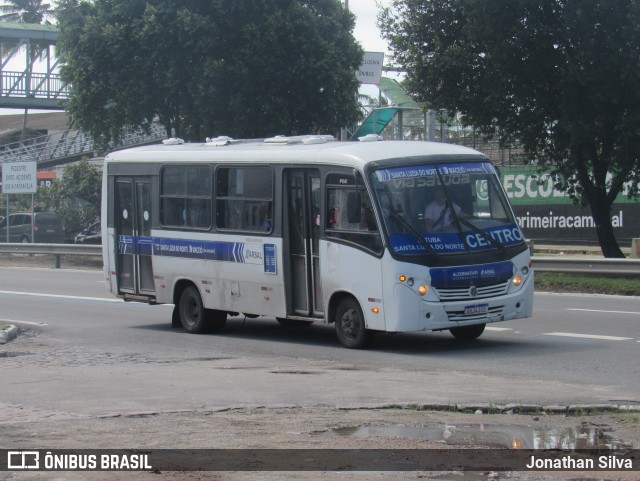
(241, 68)
(560, 77)
(75, 197)
(27, 11)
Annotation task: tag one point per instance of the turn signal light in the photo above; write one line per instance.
(375, 310)
(517, 280)
(403, 278)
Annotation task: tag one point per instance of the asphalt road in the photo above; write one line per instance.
(85, 352)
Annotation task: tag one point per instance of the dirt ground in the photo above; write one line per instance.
(323, 428)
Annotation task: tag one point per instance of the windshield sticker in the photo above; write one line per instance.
(451, 243)
(466, 276)
(409, 172)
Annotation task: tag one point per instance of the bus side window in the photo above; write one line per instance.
(350, 215)
(244, 197)
(186, 196)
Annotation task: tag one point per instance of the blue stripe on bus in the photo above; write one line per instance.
(239, 252)
(466, 276)
(450, 242)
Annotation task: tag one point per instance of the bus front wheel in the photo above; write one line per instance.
(194, 317)
(350, 326)
(467, 333)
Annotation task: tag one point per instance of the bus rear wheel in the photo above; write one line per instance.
(194, 317)
(467, 333)
(350, 326)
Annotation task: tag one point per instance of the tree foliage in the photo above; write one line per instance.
(75, 197)
(27, 11)
(243, 68)
(560, 77)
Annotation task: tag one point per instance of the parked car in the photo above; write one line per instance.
(90, 235)
(47, 227)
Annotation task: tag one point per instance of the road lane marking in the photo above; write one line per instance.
(28, 323)
(90, 299)
(490, 328)
(60, 296)
(587, 336)
(604, 312)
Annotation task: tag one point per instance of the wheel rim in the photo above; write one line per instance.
(192, 311)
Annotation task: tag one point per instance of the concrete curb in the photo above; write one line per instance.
(7, 333)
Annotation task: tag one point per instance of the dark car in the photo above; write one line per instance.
(47, 227)
(90, 235)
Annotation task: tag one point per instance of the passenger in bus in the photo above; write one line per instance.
(267, 223)
(437, 214)
(199, 214)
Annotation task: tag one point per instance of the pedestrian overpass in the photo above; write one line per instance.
(29, 80)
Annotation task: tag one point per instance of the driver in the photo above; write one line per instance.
(438, 214)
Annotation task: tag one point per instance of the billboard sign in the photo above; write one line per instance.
(370, 71)
(546, 214)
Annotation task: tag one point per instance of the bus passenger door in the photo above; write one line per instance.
(303, 211)
(133, 234)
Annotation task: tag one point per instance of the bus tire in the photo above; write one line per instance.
(350, 326)
(193, 315)
(292, 322)
(467, 333)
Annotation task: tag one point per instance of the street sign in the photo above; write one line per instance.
(19, 177)
(371, 69)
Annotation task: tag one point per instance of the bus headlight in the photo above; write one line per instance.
(517, 280)
(422, 289)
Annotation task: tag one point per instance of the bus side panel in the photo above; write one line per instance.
(347, 268)
(242, 275)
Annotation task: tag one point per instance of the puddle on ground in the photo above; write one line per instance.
(495, 435)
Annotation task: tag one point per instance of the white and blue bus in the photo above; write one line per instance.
(371, 236)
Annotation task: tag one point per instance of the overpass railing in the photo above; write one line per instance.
(34, 85)
(70, 144)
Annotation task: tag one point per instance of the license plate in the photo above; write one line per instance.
(476, 309)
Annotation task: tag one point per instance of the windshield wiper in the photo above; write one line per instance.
(395, 216)
(477, 230)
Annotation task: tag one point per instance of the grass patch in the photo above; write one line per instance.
(558, 282)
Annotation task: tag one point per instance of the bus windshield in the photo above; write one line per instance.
(446, 208)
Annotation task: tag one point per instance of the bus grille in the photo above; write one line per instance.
(455, 316)
(463, 294)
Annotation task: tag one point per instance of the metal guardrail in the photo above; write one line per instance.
(578, 264)
(56, 250)
(583, 265)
